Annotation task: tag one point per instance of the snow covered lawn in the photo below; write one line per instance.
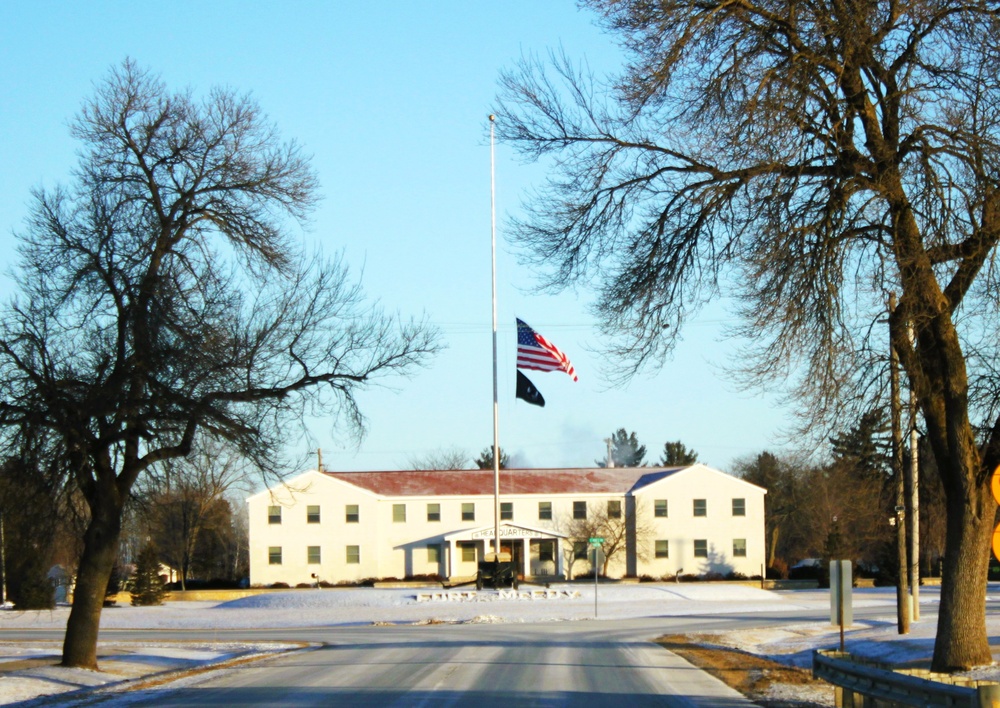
(27, 669)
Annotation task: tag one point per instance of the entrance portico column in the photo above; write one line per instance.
(559, 558)
(525, 556)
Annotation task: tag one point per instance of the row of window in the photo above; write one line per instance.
(662, 548)
(314, 555)
(467, 551)
(352, 513)
(700, 507)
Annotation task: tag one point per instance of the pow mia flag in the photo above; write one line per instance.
(526, 391)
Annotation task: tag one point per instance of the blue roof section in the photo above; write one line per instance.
(655, 476)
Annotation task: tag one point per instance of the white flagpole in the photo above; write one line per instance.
(496, 416)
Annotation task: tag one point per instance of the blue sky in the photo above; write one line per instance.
(391, 100)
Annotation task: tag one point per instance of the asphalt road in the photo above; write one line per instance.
(549, 664)
(580, 663)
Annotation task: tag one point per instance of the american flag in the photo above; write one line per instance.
(536, 352)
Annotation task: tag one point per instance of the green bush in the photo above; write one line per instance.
(33, 592)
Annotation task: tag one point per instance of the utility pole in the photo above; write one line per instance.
(902, 596)
(913, 498)
(319, 459)
(3, 562)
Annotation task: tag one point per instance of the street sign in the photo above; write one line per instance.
(596, 540)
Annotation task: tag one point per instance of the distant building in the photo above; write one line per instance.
(348, 526)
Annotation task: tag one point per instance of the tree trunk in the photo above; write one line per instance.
(772, 547)
(100, 550)
(961, 634)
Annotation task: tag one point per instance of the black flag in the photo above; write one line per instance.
(526, 390)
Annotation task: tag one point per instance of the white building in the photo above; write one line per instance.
(349, 526)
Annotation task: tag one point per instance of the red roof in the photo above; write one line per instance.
(433, 483)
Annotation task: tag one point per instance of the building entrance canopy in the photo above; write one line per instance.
(522, 542)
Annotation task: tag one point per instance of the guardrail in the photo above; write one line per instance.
(861, 685)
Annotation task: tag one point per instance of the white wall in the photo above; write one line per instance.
(718, 528)
(390, 548)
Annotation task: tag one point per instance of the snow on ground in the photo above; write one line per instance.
(27, 669)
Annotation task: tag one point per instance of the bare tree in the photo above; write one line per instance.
(163, 297)
(183, 498)
(443, 459)
(808, 159)
(782, 503)
(622, 525)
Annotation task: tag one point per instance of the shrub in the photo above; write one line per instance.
(778, 570)
(33, 592)
(278, 586)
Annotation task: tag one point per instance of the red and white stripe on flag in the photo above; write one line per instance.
(536, 352)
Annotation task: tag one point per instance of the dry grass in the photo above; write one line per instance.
(767, 683)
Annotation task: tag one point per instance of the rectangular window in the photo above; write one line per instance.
(546, 550)
(544, 511)
(351, 514)
(399, 513)
(312, 514)
(433, 553)
(614, 509)
(739, 507)
(663, 549)
(354, 554)
(433, 512)
(507, 511)
(579, 510)
(700, 507)
(660, 508)
(468, 511)
(274, 514)
(739, 548)
(580, 550)
(700, 548)
(468, 549)
(274, 555)
(312, 555)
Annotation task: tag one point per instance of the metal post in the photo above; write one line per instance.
(597, 561)
(902, 596)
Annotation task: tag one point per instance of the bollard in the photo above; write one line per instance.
(988, 696)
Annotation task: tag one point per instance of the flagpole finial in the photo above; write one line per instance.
(492, 117)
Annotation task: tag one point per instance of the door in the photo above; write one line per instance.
(516, 551)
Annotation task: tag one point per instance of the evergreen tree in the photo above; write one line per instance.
(114, 585)
(485, 459)
(675, 454)
(866, 448)
(625, 450)
(146, 586)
